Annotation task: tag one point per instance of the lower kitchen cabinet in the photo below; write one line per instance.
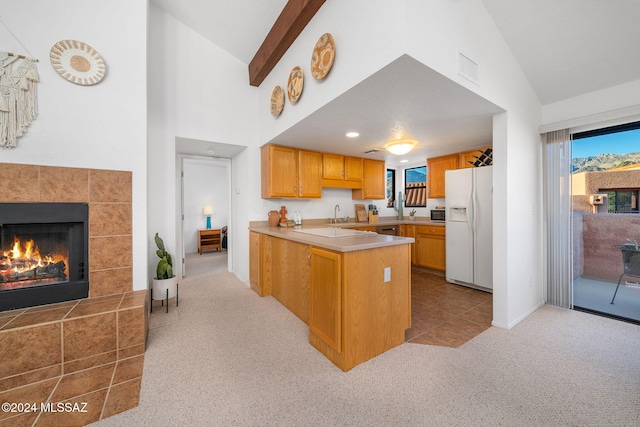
(430, 247)
(325, 320)
(259, 260)
(357, 303)
(356, 314)
(409, 231)
(290, 276)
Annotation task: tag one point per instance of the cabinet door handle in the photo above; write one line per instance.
(309, 259)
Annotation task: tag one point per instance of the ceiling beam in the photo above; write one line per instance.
(292, 20)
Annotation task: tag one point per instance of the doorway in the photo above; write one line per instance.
(605, 185)
(205, 205)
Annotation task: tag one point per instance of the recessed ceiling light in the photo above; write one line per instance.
(352, 134)
(404, 161)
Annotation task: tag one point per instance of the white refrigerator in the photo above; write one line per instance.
(469, 221)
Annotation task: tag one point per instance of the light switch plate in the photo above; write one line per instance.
(387, 274)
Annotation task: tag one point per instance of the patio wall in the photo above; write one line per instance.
(595, 236)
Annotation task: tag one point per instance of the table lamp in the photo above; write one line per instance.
(208, 211)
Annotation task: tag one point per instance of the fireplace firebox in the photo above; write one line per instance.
(43, 253)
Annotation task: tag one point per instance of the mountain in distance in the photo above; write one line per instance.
(603, 162)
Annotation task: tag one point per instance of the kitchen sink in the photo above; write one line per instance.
(334, 232)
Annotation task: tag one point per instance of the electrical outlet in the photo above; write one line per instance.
(387, 274)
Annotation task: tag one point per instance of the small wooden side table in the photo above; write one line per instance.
(209, 239)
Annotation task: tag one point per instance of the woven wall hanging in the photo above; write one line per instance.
(77, 62)
(18, 96)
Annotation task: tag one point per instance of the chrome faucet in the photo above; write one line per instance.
(335, 214)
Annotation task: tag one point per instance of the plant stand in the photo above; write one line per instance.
(163, 290)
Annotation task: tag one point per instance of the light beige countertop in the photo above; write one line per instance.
(360, 242)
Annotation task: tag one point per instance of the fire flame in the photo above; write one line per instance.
(29, 258)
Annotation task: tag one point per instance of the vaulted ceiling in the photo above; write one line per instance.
(566, 48)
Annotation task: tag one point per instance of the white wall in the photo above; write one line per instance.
(101, 126)
(369, 35)
(437, 33)
(196, 91)
(205, 183)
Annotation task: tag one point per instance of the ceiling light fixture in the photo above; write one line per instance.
(352, 134)
(400, 147)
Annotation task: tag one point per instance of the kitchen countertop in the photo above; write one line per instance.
(339, 244)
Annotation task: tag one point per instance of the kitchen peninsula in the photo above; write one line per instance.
(352, 288)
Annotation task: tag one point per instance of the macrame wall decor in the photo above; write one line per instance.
(18, 95)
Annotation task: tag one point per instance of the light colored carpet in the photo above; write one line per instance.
(231, 358)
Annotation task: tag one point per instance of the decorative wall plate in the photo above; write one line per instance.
(77, 62)
(322, 58)
(295, 85)
(277, 101)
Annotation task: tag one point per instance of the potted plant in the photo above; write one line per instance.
(165, 279)
(411, 215)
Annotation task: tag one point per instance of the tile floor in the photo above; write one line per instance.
(445, 314)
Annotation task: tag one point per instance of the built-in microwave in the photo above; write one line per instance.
(437, 214)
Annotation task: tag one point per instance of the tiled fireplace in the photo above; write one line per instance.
(86, 354)
(43, 253)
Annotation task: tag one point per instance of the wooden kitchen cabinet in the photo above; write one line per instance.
(374, 181)
(436, 168)
(355, 314)
(309, 173)
(430, 247)
(290, 173)
(480, 156)
(259, 261)
(279, 172)
(325, 319)
(289, 275)
(409, 231)
(341, 171)
(366, 228)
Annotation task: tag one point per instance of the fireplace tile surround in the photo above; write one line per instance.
(89, 350)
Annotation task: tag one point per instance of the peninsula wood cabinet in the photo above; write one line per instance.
(352, 312)
(430, 247)
(289, 273)
(325, 319)
(355, 314)
(256, 254)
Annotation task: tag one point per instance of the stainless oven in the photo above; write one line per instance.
(437, 215)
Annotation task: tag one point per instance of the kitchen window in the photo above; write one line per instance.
(391, 187)
(415, 187)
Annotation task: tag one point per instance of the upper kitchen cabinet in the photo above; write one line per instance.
(341, 172)
(436, 168)
(479, 157)
(374, 181)
(309, 173)
(290, 173)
